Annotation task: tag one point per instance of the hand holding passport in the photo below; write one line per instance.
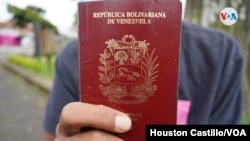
(129, 63)
(102, 120)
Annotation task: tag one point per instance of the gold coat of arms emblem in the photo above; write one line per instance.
(128, 70)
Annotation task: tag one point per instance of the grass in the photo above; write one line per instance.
(246, 119)
(38, 65)
(47, 68)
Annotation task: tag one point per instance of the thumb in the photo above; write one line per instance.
(76, 116)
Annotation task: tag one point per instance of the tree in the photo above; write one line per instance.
(31, 14)
(44, 30)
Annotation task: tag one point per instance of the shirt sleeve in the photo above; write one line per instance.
(65, 86)
(227, 107)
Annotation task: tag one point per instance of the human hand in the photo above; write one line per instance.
(102, 120)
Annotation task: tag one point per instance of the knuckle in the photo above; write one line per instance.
(66, 113)
(95, 134)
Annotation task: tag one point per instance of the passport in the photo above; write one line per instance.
(129, 54)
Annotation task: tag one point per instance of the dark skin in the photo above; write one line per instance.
(102, 120)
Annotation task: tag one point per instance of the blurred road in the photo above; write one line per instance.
(21, 108)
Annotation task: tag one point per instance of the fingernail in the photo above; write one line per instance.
(122, 123)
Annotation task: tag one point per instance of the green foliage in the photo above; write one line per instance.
(25, 62)
(38, 66)
(246, 119)
(30, 14)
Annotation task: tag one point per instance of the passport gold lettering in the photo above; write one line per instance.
(107, 14)
(133, 21)
(134, 116)
(146, 14)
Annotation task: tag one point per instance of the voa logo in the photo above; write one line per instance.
(228, 16)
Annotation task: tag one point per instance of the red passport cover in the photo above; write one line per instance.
(129, 59)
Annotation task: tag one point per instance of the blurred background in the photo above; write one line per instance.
(32, 33)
